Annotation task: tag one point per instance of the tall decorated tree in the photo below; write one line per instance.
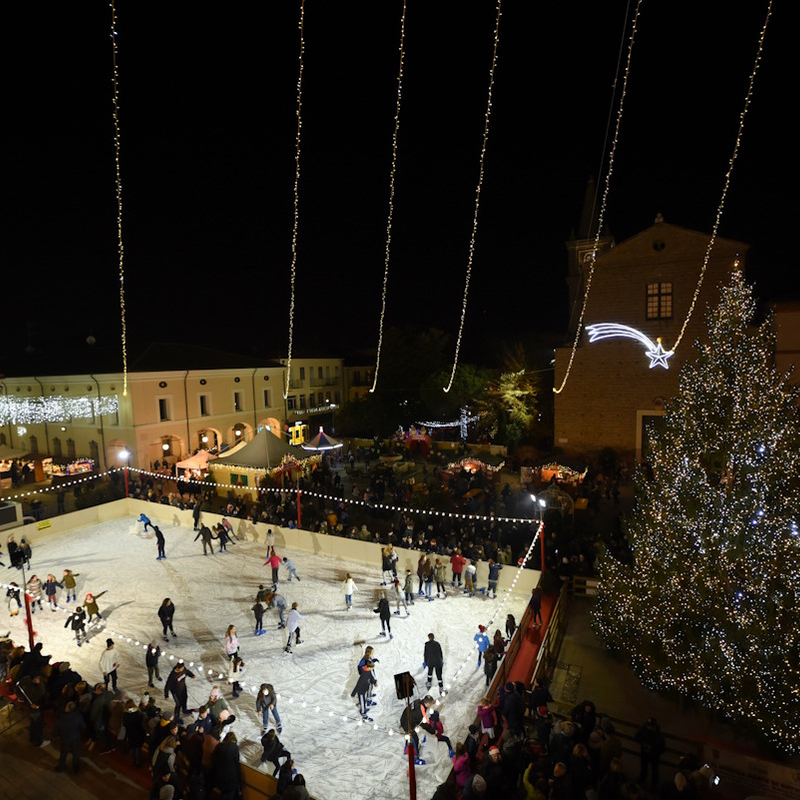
(710, 607)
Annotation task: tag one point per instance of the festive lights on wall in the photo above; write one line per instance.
(390, 214)
(461, 423)
(609, 330)
(474, 233)
(293, 268)
(118, 184)
(603, 203)
(55, 408)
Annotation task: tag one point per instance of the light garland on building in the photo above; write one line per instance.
(461, 423)
(54, 408)
(610, 330)
(474, 233)
(390, 214)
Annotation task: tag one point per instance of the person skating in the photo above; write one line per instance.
(166, 611)
(279, 601)
(146, 520)
(368, 656)
(109, 664)
(289, 564)
(258, 613)
(34, 588)
(440, 576)
(489, 664)
(494, 576)
(196, 514)
(207, 538)
(536, 607)
(223, 537)
(349, 587)
(483, 642)
(69, 583)
(13, 598)
(469, 578)
(151, 661)
(235, 668)
(77, 620)
(273, 750)
(50, 586)
(25, 552)
(511, 626)
(366, 681)
(90, 604)
(408, 587)
(409, 722)
(176, 686)
(457, 562)
(421, 573)
(160, 543)
(231, 642)
(434, 660)
(388, 559)
(266, 702)
(427, 575)
(385, 614)
(436, 727)
(399, 597)
(274, 561)
(216, 704)
(293, 627)
(261, 594)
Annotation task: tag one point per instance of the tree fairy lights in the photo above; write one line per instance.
(709, 607)
(474, 233)
(391, 195)
(57, 408)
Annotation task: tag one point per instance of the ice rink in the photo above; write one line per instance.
(340, 756)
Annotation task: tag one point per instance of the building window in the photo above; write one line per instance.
(319, 373)
(291, 402)
(34, 444)
(56, 447)
(70, 448)
(204, 405)
(94, 453)
(320, 397)
(237, 401)
(659, 301)
(267, 398)
(2, 439)
(337, 398)
(163, 409)
(302, 401)
(302, 373)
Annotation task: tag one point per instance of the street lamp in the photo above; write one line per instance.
(539, 503)
(125, 455)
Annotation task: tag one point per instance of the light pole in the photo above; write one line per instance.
(125, 455)
(540, 504)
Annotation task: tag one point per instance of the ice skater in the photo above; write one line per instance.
(289, 564)
(235, 667)
(13, 598)
(223, 537)
(349, 587)
(208, 540)
(151, 661)
(231, 642)
(166, 611)
(469, 578)
(536, 607)
(34, 587)
(434, 660)
(457, 562)
(273, 750)
(279, 601)
(293, 627)
(440, 575)
(69, 583)
(427, 574)
(483, 642)
(50, 586)
(366, 681)
(494, 576)
(399, 598)
(109, 664)
(388, 560)
(144, 518)
(435, 726)
(77, 620)
(267, 702)
(258, 613)
(90, 604)
(176, 686)
(385, 614)
(511, 626)
(160, 542)
(274, 561)
(408, 588)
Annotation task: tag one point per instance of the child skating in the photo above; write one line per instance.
(483, 642)
(366, 681)
(385, 614)
(69, 583)
(77, 620)
(399, 598)
(289, 564)
(349, 586)
(408, 587)
(293, 627)
(90, 604)
(34, 587)
(50, 586)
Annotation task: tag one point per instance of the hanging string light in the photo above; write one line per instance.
(728, 174)
(604, 202)
(296, 194)
(477, 196)
(120, 248)
(391, 195)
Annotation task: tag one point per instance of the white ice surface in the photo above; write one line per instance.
(339, 757)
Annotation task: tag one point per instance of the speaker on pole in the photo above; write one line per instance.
(404, 685)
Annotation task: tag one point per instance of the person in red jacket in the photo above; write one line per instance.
(274, 561)
(457, 562)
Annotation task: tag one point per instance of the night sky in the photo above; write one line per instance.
(207, 113)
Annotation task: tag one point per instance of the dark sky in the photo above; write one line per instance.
(207, 114)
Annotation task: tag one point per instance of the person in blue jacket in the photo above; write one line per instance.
(146, 520)
(483, 642)
(494, 575)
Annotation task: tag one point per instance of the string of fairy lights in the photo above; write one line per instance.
(474, 232)
(726, 185)
(325, 714)
(118, 186)
(390, 214)
(604, 201)
(296, 213)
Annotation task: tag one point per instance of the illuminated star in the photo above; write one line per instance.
(608, 330)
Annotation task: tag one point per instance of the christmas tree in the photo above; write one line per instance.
(710, 607)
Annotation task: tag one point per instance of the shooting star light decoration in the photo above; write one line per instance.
(609, 330)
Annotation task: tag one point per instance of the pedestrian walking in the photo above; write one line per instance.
(482, 641)
(258, 613)
(434, 660)
(69, 583)
(109, 664)
(50, 587)
(166, 611)
(90, 604)
(289, 564)
(536, 607)
(77, 621)
(385, 614)
(34, 691)
(293, 627)
(511, 626)
(652, 745)
(70, 727)
(176, 686)
(349, 587)
(151, 661)
(34, 588)
(207, 538)
(160, 543)
(266, 702)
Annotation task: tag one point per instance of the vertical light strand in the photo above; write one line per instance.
(120, 248)
(477, 196)
(296, 194)
(603, 204)
(391, 195)
(728, 175)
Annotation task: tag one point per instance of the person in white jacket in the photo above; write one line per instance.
(349, 587)
(109, 664)
(293, 627)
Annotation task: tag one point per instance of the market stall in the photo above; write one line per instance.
(195, 467)
(61, 474)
